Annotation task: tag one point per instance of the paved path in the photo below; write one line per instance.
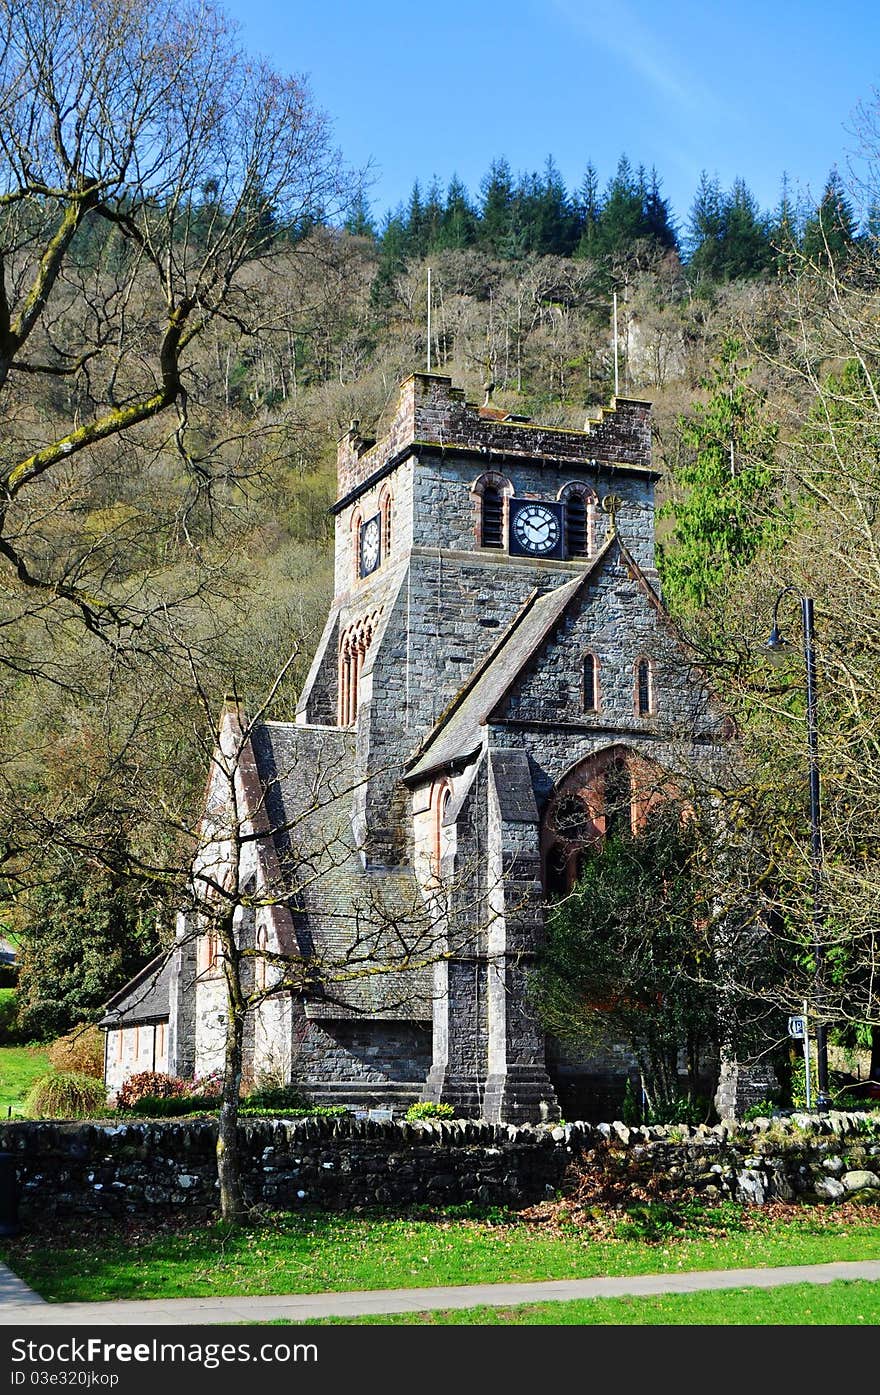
(21, 1307)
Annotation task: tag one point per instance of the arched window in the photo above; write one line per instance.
(491, 492)
(580, 517)
(591, 683)
(492, 531)
(386, 504)
(644, 688)
(442, 800)
(353, 645)
(262, 945)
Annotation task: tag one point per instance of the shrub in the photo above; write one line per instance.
(171, 1106)
(681, 1110)
(278, 1097)
(207, 1086)
(8, 1017)
(66, 1095)
(425, 1109)
(81, 1051)
(149, 1083)
(762, 1110)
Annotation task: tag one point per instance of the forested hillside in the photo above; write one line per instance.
(183, 551)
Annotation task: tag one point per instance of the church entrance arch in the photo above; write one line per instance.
(612, 791)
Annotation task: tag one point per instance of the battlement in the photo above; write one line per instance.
(432, 412)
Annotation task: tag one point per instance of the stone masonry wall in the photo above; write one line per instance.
(143, 1168)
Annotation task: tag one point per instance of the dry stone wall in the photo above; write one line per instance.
(142, 1167)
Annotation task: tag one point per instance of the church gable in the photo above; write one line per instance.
(610, 661)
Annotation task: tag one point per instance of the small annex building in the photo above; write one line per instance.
(496, 650)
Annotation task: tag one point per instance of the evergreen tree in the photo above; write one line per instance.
(705, 229)
(458, 227)
(414, 225)
(829, 236)
(393, 251)
(746, 249)
(658, 217)
(496, 209)
(589, 208)
(783, 229)
(360, 221)
(622, 220)
(724, 502)
(84, 935)
(625, 955)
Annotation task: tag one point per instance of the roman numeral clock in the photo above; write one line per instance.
(535, 529)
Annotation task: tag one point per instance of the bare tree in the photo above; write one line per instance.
(148, 168)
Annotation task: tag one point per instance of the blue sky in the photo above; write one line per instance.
(736, 88)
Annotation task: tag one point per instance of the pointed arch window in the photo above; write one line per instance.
(591, 683)
(644, 687)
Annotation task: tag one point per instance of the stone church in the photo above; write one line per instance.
(496, 655)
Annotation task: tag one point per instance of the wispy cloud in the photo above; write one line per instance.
(618, 28)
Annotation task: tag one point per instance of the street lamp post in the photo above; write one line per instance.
(777, 646)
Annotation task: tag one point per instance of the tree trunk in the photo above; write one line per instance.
(875, 1054)
(232, 1203)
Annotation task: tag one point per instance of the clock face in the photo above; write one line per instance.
(536, 530)
(370, 546)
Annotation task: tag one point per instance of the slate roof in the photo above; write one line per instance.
(350, 921)
(145, 998)
(459, 732)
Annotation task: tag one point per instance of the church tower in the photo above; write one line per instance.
(444, 528)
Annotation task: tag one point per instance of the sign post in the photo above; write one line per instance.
(799, 1030)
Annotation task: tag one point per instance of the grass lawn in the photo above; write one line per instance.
(311, 1253)
(20, 1066)
(842, 1304)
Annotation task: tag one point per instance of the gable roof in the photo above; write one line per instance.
(145, 998)
(459, 733)
(347, 919)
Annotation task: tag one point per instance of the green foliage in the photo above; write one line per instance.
(169, 1106)
(830, 235)
(725, 502)
(84, 934)
(66, 1095)
(631, 1108)
(426, 1109)
(728, 237)
(682, 1109)
(764, 1109)
(278, 1097)
(649, 1220)
(625, 953)
(9, 1032)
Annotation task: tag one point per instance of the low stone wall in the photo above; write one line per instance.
(143, 1167)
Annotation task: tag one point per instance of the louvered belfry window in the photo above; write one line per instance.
(492, 527)
(576, 542)
(643, 688)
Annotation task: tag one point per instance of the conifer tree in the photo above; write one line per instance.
(459, 224)
(724, 502)
(496, 208)
(830, 234)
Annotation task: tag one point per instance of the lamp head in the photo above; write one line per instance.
(777, 647)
